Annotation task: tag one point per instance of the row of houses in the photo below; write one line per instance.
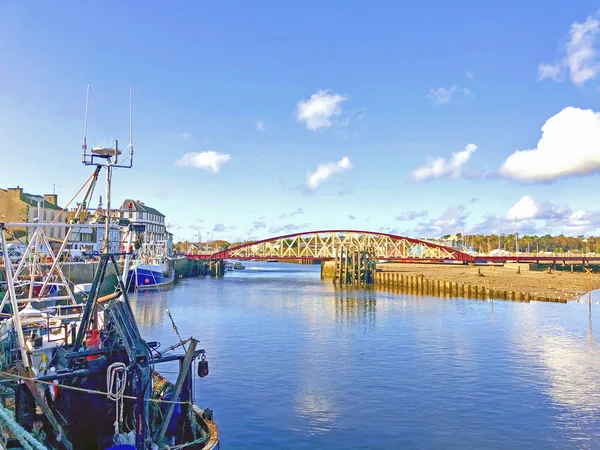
(19, 206)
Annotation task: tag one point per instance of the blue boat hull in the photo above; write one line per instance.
(139, 277)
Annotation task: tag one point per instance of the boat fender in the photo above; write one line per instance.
(54, 387)
(203, 366)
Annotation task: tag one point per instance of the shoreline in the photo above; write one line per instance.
(559, 285)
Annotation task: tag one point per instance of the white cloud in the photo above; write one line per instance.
(470, 75)
(442, 95)
(439, 167)
(260, 125)
(289, 227)
(319, 110)
(540, 217)
(221, 228)
(209, 160)
(411, 215)
(570, 145)
(452, 221)
(325, 170)
(296, 212)
(549, 71)
(581, 57)
(525, 208)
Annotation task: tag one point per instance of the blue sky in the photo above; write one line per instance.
(364, 94)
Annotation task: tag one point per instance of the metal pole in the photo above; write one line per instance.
(106, 242)
(127, 258)
(69, 227)
(19, 269)
(13, 300)
(35, 252)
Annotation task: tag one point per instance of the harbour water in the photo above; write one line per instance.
(297, 363)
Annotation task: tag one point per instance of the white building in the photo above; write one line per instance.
(114, 239)
(86, 237)
(140, 214)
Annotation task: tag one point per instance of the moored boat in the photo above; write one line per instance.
(96, 386)
(152, 268)
(238, 266)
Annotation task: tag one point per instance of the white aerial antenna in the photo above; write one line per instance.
(87, 100)
(130, 128)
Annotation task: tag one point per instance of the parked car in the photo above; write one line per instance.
(92, 254)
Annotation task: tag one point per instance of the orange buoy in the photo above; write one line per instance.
(92, 342)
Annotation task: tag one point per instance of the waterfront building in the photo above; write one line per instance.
(19, 206)
(89, 238)
(138, 213)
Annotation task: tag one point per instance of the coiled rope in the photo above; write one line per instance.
(116, 382)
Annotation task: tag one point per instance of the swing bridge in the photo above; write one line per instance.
(323, 245)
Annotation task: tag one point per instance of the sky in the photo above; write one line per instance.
(257, 119)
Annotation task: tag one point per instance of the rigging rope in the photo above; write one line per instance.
(181, 341)
(89, 391)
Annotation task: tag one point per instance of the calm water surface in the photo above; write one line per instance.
(296, 363)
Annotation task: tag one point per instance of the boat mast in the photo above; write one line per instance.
(109, 158)
(106, 243)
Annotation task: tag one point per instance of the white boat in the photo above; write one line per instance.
(238, 266)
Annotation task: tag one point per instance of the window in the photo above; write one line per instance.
(45, 218)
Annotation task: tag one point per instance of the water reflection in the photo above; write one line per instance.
(570, 363)
(149, 307)
(298, 363)
(352, 304)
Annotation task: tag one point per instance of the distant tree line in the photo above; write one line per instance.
(531, 243)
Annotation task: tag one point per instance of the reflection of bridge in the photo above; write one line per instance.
(322, 245)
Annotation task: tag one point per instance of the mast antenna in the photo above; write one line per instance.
(87, 101)
(130, 129)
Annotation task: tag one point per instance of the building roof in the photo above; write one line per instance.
(32, 200)
(139, 206)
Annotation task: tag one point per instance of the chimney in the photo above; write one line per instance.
(51, 198)
(15, 192)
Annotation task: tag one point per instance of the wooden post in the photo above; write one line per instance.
(185, 368)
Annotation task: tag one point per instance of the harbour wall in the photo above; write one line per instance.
(418, 284)
(84, 272)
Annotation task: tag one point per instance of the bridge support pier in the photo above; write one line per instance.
(354, 266)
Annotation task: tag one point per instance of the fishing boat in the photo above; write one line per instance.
(272, 260)
(238, 266)
(97, 386)
(228, 266)
(152, 269)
